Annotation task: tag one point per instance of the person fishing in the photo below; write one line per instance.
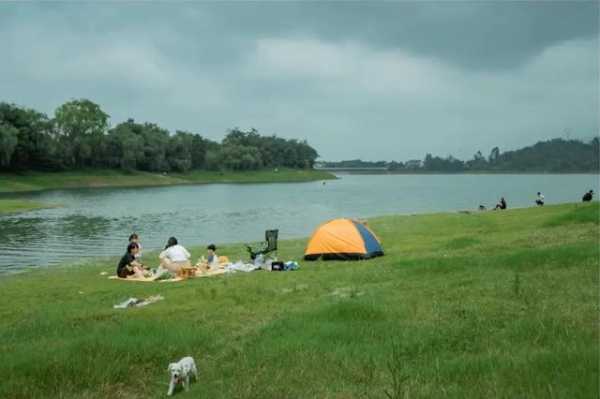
(587, 197)
(501, 205)
(540, 199)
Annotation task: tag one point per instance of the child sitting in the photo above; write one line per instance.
(212, 260)
(134, 238)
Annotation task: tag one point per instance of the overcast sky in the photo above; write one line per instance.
(357, 80)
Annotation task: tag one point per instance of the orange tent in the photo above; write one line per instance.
(343, 239)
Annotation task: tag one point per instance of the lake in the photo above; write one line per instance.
(97, 222)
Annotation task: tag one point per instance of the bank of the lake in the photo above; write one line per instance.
(453, 173)
(36, 181)
(93, 222)
(490, 304)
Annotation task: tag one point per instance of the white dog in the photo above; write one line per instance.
(181, 373)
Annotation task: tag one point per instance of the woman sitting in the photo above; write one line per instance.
(128, 265)
(174, 257)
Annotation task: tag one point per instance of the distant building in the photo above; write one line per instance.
(413, 164)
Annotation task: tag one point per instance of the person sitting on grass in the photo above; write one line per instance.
(128, 265)
(212, 259)
(136, 239)
(540, 199)
(501, 204)
(174, 257)
(587, 197)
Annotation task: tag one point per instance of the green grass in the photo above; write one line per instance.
(14, 206)
(34, 181)
(491, 304)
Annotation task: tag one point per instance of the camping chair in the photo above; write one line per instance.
(269, 245)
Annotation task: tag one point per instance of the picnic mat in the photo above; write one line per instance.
(171, 280)
(210, 273)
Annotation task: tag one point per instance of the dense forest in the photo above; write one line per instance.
(557, 155)
(79, 136)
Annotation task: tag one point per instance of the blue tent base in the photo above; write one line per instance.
(343, 256)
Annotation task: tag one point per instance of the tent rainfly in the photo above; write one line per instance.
(343, 239)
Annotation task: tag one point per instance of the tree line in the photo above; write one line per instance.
(556, 155)
(79, 136)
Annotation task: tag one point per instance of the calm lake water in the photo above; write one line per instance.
(97, 222)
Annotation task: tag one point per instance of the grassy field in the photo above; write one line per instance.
(486, 305)
(14, 206)
(34, 181)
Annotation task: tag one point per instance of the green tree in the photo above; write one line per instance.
(477, 163)
(240, 157)
(199, 147)
(155, 141)
(8, 143)
(213, 160)
(494, 156)
(126, 147)
(36, 147)
(179, 153)
(83, 125)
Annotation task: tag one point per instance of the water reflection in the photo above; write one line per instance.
(83, 226)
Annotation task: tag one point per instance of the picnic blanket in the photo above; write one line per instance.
(209, 273)
(241, 267)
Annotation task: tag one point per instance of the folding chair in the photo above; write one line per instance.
(269, 245)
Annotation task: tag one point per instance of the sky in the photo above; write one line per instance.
(369, 80)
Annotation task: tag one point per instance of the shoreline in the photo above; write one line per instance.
(28, 182)
(433, 173)
(153, 253)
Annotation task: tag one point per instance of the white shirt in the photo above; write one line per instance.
(176, 253)
(138, 256)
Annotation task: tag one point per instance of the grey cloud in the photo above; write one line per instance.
(474, 34)
(369, 80)
(471, 34)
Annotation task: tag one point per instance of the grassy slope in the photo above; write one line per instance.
(33, 181)
(14, 206)
(494, 304)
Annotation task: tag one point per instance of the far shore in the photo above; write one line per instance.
(95, 178)
(415, 172)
